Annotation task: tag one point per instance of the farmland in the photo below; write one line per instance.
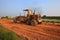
(44, 31)
(52, 20)
(6, 34)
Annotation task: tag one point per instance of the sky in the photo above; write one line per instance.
(15, 7)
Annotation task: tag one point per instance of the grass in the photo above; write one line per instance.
(52, 20)
(9, 18)
(6, 34)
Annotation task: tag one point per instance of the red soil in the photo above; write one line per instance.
(44, 31)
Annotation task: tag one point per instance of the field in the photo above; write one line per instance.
(44, 31)
(6, 34)
(52, 20)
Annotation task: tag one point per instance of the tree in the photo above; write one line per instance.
(44, 16)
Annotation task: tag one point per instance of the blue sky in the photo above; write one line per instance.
(15, 7)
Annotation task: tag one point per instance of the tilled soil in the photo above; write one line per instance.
(44, 31)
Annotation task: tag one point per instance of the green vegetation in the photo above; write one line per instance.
(52, 20)
(10, 18)
(51, 17)
(6, 34)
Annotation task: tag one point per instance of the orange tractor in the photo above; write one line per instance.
(31, 18)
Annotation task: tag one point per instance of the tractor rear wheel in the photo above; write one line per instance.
(40, 23)
(15, 21)
(34, 22)
(28, 22)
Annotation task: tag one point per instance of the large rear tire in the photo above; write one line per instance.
(34, 23)
(28, 22)
(40, 23)
(14, 21)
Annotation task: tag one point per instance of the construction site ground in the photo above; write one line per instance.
(44, 31)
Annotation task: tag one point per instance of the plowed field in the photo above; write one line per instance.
(44, 31)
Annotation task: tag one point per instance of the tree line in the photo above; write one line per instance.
(50, 17)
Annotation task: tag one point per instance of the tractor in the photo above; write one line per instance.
(31, 18)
